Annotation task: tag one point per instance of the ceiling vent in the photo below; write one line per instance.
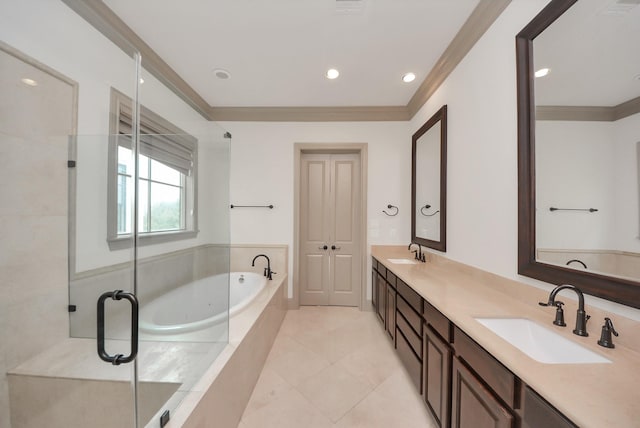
(349, 7)
(621, 7)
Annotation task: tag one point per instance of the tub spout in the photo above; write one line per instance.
(267, 271)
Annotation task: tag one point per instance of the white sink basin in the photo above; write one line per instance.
(540, 343)
(403, 261)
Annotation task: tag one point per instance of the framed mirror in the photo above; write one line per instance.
(578, 75)
(429, 183)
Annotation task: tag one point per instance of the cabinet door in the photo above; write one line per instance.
(374, 288)
(538, 413)
(436, 357)
(473, 405)
(391, 312)
(382, 294)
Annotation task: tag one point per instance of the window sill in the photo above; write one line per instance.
(125, 241)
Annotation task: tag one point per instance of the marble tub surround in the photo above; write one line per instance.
(591, 395)
(243, 254)
(221, 394)
(157, 275)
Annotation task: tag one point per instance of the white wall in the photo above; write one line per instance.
(482, 152)
(627, 184)
(482, 177)
(575, 168)
(262, 173)
(588, 164)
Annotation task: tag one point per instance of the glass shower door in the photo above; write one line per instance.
(103, 307)
(183, 282)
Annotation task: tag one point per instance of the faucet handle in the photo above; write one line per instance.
(605, 336)
(559, 321)
(608, 323)
(544, 304)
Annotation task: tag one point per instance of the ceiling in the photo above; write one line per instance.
(278, 51)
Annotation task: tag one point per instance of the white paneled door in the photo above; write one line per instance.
(330, 192)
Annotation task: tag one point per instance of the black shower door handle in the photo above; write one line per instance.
(102, 353)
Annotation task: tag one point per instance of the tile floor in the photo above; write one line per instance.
(333, 367)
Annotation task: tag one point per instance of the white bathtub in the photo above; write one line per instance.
(200, 304)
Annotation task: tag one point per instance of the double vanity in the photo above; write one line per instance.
(483, 353)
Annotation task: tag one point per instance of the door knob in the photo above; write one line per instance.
(333, 247)
(323, 248)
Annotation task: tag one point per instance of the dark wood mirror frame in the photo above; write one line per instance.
(618, 290)
(439, 116)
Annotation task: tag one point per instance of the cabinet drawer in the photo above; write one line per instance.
(497, 376)
(538, 413)
(413, 298)
(382, 270)
(409, 360)
(438, 322)
(412, 317)
(391, 278)
(411, 336)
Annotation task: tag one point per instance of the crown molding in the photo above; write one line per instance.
(111, 26)
(482, 17)
(589, 113)
(575, 113)
(100, 16)
(309, 114)
(626, 109)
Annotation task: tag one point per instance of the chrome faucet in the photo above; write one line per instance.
(267, 271)
(419, 254)
(581, 316)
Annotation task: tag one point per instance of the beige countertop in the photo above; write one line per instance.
(591, 395)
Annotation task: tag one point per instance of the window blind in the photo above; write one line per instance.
(175, 151)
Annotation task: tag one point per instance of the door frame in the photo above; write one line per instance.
(361, 149)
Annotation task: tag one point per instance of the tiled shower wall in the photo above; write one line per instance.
(34, 126)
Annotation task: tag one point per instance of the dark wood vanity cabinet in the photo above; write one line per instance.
(437, 357)
(436, 376)
(484, 392)
(390, 301)
(473, 404)
(462, 385)
(409, 331)
(536, 412)
(380, 292)
(374, 284)
(384, 296)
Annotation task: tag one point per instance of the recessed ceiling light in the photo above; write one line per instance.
(29, 82)
(332, 73)
(542, 72)
(221, 74)
(409, 77)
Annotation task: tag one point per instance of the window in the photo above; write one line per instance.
(166, 179)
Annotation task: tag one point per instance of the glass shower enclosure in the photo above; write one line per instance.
(114, 324)
(149, 276)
